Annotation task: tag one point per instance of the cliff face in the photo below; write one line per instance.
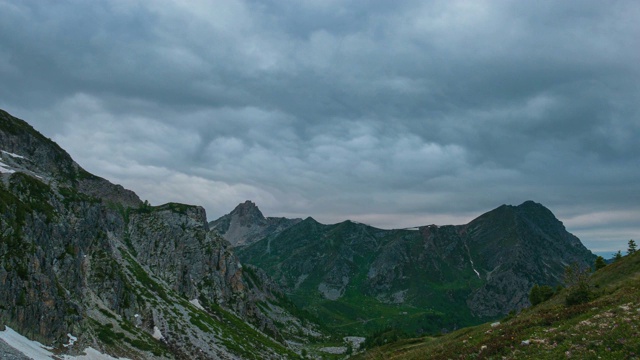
(460, 274)
(83, 256)
(246, 225)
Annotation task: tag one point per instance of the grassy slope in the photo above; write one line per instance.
(608, 327)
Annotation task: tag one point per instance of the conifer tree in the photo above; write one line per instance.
(600, 263)
(632, 247)
(617, 256)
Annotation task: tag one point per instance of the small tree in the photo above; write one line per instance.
(600, 263)
(539, 294)
(576, 280)
(632, 247)
(617, 256)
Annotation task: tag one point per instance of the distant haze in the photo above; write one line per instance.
(391, 113)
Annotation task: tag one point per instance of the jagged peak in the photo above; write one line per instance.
(247, 209)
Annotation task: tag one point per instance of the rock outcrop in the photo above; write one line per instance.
(246, 225)
(82, 256)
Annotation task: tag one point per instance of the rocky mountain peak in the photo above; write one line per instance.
(249, 212)
(246, 224)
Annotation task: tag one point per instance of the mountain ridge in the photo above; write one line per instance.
(246, 224)
(486, 267)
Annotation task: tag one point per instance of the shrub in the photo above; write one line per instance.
(539, 294)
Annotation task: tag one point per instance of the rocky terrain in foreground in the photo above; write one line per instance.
(82, 256)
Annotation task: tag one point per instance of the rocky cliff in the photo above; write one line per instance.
(82, 256)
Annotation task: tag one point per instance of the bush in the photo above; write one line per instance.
(540, 294)
(577, 296)
(577, 281)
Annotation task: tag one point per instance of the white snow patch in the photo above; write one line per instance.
(196, 303)
(471, 261)
(4, 168)
(37, 351)
(92, 354)
(30, 348)
(157, 334)
(72, 340)
(13, 155)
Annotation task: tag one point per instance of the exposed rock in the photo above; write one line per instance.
(80, 255)
(246, 224)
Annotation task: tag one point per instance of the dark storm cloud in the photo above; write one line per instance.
(393, 113)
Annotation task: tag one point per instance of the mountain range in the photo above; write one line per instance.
(84, 259)
(423, 280)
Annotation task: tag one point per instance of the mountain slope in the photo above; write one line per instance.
(362, 278)
(607, 327)
(82, 256)
(246, 224)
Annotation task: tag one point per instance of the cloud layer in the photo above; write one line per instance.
(392, 113)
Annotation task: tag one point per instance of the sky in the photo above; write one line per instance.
(392, 113)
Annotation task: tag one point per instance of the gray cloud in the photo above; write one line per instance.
(392, 113)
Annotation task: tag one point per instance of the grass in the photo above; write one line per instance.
(607, 327)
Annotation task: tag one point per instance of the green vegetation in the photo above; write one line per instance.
(540, 294)
(144, 278)
(617, 256)
(605, 327)
(578, 287)
(632, 247)
(131, 335)
(425, 297)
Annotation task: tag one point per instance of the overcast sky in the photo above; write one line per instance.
(393, 113)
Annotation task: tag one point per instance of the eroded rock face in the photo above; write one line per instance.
(246, 225)
(83, 256)
(175, 243)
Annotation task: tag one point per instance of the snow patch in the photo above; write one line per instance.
(37, 351)
(196, 303)
(471, 261)
(4, 168)
(92, 354)
(13, 155)
(72, 340)
(157, 334)
(29, 348)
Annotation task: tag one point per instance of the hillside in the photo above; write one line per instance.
(433, 279)
(607, 327)
(81, 257)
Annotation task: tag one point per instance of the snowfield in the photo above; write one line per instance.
(37, 351)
